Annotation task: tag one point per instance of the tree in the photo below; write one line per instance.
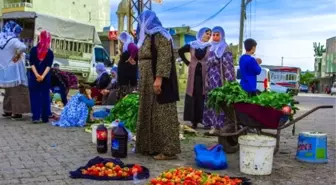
(318, 49)
(234, 51)
(307, 78)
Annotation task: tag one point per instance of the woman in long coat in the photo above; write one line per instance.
(13, 72)
(220, 69)
(194, 99)
(157, 130)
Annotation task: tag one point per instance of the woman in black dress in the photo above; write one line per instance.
(199, 51)
(127, 66)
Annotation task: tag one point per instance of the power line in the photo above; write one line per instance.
(213, 16)
(176, 7)
(298, 58)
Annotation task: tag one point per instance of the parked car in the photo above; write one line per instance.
(304, 88)
(333, 89)
(278, 88)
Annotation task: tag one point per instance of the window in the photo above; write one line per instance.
(99, 55)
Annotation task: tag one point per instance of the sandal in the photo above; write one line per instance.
(212, 132)
(162, 157)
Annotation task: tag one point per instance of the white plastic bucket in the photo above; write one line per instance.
(256, 154)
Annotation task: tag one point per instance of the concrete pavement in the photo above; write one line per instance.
(43, 155)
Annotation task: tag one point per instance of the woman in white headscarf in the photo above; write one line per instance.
(157, 130)
(13, 75)
(194, 99)
(127, 65)
(220, 69)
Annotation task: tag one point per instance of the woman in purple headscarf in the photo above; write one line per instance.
(157, 130)
(127, 65)
(101, 83)
(220, 69)
(194, 99)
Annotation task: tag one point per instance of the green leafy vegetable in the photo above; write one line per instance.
(126, 110)
(231, 93)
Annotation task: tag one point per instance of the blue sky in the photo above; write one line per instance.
(285, 28)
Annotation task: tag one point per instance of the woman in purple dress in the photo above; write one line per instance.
(220, 69)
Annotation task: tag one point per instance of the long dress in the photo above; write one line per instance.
(158, 127)
(75, 112)
(218, 69)
(127, 73)
(14, 80)
(194, 99)
(40, 91)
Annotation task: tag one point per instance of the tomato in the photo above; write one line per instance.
(286, 110)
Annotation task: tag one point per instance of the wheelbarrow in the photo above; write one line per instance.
(244, 118)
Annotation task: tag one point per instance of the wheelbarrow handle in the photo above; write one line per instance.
(326, 106)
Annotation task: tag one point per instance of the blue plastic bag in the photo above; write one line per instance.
(212, 159)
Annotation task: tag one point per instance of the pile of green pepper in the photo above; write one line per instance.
(231, 92)
(126, 110)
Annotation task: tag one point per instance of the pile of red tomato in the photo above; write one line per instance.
(190, 176)
(111, 170)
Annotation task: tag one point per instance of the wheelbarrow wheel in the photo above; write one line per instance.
(229, 143)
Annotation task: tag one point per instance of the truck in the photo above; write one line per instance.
(76, 46)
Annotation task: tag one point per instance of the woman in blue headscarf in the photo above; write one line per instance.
(194, 99)
(110, 93)
(13, 72)
(220, 69)
(101, 82)
(158, 127)
(127, 65)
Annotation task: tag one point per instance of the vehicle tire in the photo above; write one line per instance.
(230, 144)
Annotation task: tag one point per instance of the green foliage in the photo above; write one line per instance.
(126, 110)
(307, 78)
(234, 51)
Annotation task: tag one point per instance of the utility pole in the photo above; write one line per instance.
(244, 3)
(136, 6)
(282, 61)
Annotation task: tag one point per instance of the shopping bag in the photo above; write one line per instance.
(212, 159)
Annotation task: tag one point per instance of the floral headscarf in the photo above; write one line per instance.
(43, 45)
(219, 47)
(9, 31)
(114, 73)
(149, 23)
(198, 43)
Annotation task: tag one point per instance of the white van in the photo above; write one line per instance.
(263, 76)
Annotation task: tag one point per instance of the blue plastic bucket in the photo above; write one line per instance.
(312, 147)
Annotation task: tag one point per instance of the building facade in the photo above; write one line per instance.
(95, 12)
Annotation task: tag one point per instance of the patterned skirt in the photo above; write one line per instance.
(16, 100)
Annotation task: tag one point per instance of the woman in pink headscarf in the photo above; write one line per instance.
(41, 59)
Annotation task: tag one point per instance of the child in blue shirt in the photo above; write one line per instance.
(249, 68)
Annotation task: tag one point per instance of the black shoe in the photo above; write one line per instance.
(16, 116)
(194, 125)
(7, 115)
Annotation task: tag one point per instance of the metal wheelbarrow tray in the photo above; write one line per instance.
(244, 117)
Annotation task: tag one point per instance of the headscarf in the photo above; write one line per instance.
(219, 47)
(114, 73)
(149, 23)
(9, 31)
(43, 45)
(100, 70)
(126, 39)
(198, 43)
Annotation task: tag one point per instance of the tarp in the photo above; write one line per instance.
(58, 27)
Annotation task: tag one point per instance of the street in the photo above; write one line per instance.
(33, 154)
